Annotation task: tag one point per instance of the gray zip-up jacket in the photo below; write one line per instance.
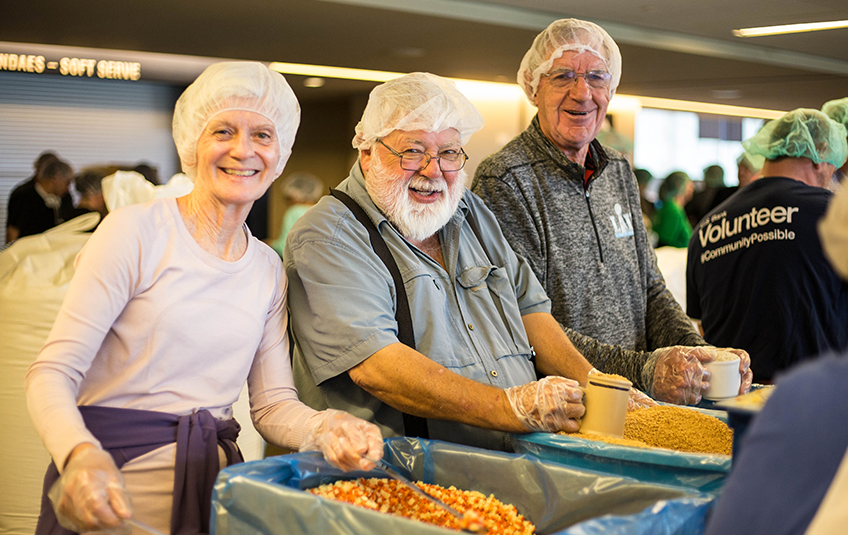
(588, 246)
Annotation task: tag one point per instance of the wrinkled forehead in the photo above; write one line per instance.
(241, 117)
(579, 61)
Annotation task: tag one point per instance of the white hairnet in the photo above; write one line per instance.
(237, 85)
(561, 36)
(417, 101)
(801, 133)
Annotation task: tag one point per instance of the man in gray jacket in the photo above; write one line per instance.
(571, 208)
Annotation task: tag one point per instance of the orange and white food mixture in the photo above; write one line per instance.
(389, 496)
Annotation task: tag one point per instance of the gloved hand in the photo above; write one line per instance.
(90, 494)
(345, 440)
(549, 404)
(679, 376)
(638, 399)
(744, 368)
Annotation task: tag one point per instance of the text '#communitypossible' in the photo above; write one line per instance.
(747, 241)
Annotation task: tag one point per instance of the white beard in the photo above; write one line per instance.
(415, 221)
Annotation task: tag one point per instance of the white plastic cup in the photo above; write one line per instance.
(605, 399)
(725, 379)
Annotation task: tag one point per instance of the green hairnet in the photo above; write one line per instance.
(837, 110)
(801, 133)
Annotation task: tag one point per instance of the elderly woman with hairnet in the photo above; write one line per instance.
(571, 207)
(173, 306)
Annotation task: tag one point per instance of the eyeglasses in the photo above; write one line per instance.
(415, 160)
(565, 77)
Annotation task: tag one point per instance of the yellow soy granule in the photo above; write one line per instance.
(680, 429)
(610, 375)
(674, 428)
(724, 356)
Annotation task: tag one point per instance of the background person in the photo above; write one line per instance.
(88, 185)
(791, 475)
(42, 202)
(838, 111)
(643, 180)
(571, 208)
(757, 277)
(714, 192)
(172, 307)
(670, 222)
(150, 173)
(747, 168)
(300, 190)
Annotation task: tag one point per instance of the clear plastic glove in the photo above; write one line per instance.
(638, 399)
(345, 440)
(679, 376)
(551, 404)
(744, 368)
(90, 494)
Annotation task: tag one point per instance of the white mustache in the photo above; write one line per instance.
(425, 184)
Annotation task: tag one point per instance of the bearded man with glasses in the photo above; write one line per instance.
(408, 306)
(571, 208)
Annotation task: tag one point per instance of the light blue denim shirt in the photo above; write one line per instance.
(468, 318)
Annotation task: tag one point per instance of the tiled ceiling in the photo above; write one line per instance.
(671, 48)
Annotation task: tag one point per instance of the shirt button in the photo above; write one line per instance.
(494, 373)
(471, 327)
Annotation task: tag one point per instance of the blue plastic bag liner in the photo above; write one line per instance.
(267, 496)
(684, 516)
(697, 471)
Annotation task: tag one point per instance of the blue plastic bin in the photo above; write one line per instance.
(696, 471)
(267, 496)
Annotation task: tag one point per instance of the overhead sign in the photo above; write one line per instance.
(68, 66)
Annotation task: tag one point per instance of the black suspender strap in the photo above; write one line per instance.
(414, 426)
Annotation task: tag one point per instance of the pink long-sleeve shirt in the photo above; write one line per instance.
(152, 321)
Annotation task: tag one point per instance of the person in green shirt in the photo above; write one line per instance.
(301, 190)
(670, 222)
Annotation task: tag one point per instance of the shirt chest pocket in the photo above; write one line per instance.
(490, 298)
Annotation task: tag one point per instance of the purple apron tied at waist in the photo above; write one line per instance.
(130, 433)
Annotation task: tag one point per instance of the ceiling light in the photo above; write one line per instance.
(790, 28)
(705, 107)
(476, 89)
(334, 72)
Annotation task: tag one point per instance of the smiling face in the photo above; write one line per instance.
(237, 156)
(572, 116)
(418, 203)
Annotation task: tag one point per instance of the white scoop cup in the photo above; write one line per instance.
(605, 399)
